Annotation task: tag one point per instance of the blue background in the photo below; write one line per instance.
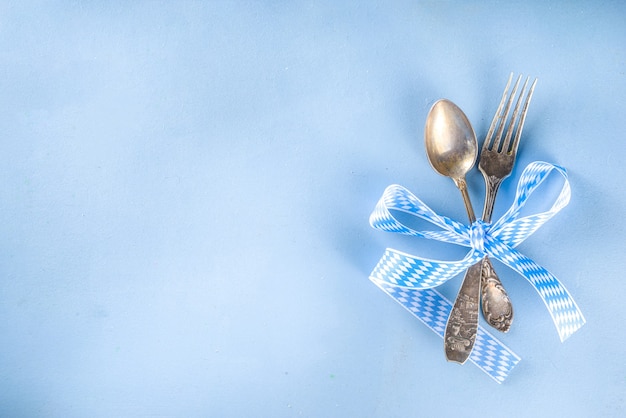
(185, 190)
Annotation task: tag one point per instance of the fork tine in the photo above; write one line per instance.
(503, 117)
(496, 117)
(513, 121)
(518, 133)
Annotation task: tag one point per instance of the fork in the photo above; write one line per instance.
(497, 159)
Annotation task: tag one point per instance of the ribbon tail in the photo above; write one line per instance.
(433, 309)
(404, 270)
(566, 315)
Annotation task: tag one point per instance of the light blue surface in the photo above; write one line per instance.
(185, 190)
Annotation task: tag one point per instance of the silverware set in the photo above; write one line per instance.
(452, 148)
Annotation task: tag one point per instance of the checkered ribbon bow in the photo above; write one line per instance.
(410, 279)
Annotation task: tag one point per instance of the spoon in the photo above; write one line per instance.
(452, 150)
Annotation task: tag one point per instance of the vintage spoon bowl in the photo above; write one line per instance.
(451, 145)
(450, 140)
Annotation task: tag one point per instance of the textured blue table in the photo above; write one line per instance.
(185, 190)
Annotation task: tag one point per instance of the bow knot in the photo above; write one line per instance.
(478, 231)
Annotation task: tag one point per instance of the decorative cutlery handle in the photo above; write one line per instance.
(492, 185)
(462, 325)
(496, 305)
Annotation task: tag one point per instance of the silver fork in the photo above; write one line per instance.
(497, 159)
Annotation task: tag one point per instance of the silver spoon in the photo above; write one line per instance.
(452, 150)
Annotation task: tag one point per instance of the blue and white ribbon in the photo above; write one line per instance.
(433, 309)
(497, 240)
